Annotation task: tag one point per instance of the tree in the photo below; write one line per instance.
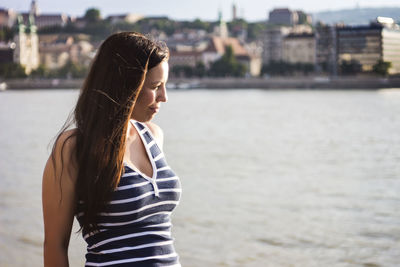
(350, 67)
(282, 68)
(382, 67)
(277, 68)
(200, 25)
(40, 72)
(72, 70)
(227, 65)
(12, 70)
(236, 27)
(199, 69)
(92, 15)
(6, 34)
(255, 30)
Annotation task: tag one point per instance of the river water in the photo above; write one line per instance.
(270, 177)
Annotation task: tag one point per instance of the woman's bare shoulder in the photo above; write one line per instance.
(65, 141)
(64, 147)
(156, 131)
(68, 137)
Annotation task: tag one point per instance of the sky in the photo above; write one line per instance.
(250, 10)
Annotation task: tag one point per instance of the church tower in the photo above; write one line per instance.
(221, 30)
(34, 10)
(234, 12)
(26, 51)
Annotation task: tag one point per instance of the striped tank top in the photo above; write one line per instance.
(135, 227)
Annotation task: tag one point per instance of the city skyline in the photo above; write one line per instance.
(251, 10)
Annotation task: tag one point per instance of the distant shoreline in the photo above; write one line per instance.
(228, 83)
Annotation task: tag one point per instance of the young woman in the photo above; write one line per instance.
(110, 171)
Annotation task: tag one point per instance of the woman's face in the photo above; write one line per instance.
(153, 93)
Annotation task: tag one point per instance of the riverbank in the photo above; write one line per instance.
(229, 83)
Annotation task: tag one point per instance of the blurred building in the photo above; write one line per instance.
(303, 17)
(56, 50)
(50, 20)
(299, 48)
(44, 20)
(234, 12)
(369, 44)
(325, 37)
(186, 47)
(124, 18)
(273, 43)
(255, 52)
(221, 29)
(283, 16)
(390, 43)
(217, 46)
(184, 58)
(78, 22)
(7, 18)
(273, 38)
(206, 50)
(7, 52)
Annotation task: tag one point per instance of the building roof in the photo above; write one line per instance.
(218, 45)
(45, 17)
(281, 10)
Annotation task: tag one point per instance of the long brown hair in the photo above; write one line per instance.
(102, 114)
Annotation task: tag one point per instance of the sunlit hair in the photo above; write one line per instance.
(102, 114)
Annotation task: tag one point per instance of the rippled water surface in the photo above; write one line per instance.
(270, 178)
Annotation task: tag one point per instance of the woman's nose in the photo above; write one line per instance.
(162, 97)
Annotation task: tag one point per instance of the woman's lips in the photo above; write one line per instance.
(155, 109)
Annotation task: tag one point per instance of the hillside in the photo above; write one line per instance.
(357, 15)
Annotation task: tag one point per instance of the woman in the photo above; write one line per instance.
(110, 171)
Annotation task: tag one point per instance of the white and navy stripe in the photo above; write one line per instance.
(135, 227)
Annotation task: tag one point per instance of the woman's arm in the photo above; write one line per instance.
(59, 202)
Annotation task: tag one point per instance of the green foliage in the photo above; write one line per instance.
(236, 26)
(69, 70)
(196, 24)
(227, 66)
(199, 69)
(125, 26)
(382, 67)
(99, 30)
(255, 30)
(162, 24)
(92, 15)
(281, 68)
(6, 34)
(40, 72)
(350, 67)
(12, 71)
(72, 70)
(200, 25)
